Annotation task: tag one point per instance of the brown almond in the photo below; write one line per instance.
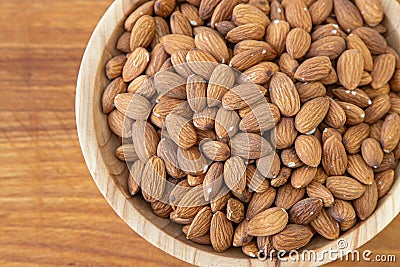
(366, 204)
(298, 16)
(115, 66)
(269, 222)
(390, 135)
(350, 67)
(317, 190)
(292, 237)
(235, 174)
(314, 69)
(345, 188)
(276, 35)
(284, 94)
(250, 146)
(334, 157)
(136, 64)
(382, 72)
(330, 46)
(221, 232)
(143, 32)
(359, 169)
(287, 196)
(326, 226)
(311, 114)
(214, 44)
(355, 42)
(348, 15)
(181, 131)
(305, 211)
(251, 31)
(384, 181)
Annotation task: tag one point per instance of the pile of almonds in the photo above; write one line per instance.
(257, 124)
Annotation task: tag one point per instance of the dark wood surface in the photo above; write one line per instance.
(51, 212)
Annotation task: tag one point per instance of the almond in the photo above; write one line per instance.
(311, 114)
(154, 178)
(180, 24)
(384, 181)
(382, 72)
(287, 196)
(250, 146)
(347, 15)
(284, 94)
(290, 159)
(261, 118)
(146, 8)
(334, 157)
(115, 66)
(344, 187)
(192, 14)
(200, 224)
(317, 190)
(205, 119)
(302, 176)
(390, 135)
(235, 174)
(240, 236)
(379, 107)
(145, 138)
(213, 43)
(116, 87)
(276, 35)
(221, 232)
(326, 226)
(181, 131)
(126, 152)
(167, 151)
(298, 16)
(375, 42)
(305, 211)
(371, 10)
(330, 46)
(196, 89)
(241, 96)
(251, 31)
(136, 64)
(246, 13)
(314, 69)
(350, 67)
(191, 161)
(366, 204)
(269, 166)
(292, 237)
(247, 59)
(336, 116)
(320, 10)
(133, 105)
(359, 169)
(354, 114)
(308, 149)
(342, 211)
(286, 133)
(235, 210)
(135, 177)
(245, 45)
(164, 8)
(207, 8)
(222, 79)
(162, 28)
(268, 222)
(120, 124)
(357, 97)
(143, 32)
(223, 11)
(174, 42)
(298, 42)
(277, 11)
(259, 74)
(213, 181)
(215, 150)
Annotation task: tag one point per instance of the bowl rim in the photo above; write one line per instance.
(144, 225)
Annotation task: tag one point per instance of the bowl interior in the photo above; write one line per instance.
(99, 143)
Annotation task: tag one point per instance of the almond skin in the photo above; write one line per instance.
(251, 31)
(382, 72)
(284, 94)
(355, 42)
(276, 35)
(287, 196)
(305, 211)
(311, 114)
(366, 204)
(221, 232)
(371, 10)
(200, 224)
(359, 169)
(143, 32)
(155, 181)
(181, 131)
(309, 150)
(334, 157)
(344, 187)
(348, 15)
(372, 152)
(268, 222)
(214, 44)
(375, 42)
(350, 67)
(317, 190)
(390, 135)
(235, 174)
(298, 42)
(298, 16)
(326, 226)
(314, 69)
(330, 46)
(292, 237)
(384, 181)
(136, 64)
(260, 202)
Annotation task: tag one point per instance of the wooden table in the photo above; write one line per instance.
(51, 212)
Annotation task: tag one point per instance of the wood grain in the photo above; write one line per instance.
(51, 211)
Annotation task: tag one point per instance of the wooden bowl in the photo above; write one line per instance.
(98, 144)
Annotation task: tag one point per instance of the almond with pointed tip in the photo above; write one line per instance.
(284, 94)
(251, 31)
(276, 35)
(269, 222)
(136, 64)
(311, 114)
(345, 188)
(390, 135)
(366, 204)
(143, 32)
(181, 131)
(298, 16)
(292, 237)
(221, 232)
(326, 226)
(314, 69)
(200, 224)
(334, 157)
(348, 15)
(305, 211)
(309, 150)
(287, 196)
(350, 67)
